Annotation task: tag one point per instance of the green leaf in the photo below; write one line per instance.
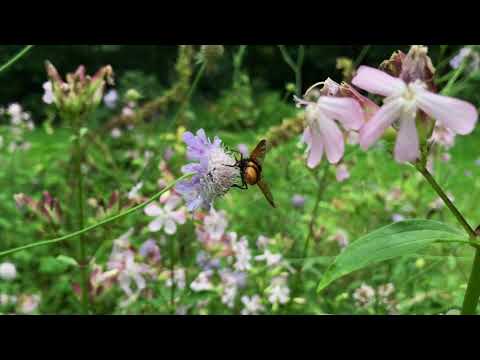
(67, 260)
(398, 239)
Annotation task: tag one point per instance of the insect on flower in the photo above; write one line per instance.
(251, 170)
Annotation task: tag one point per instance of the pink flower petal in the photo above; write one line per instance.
(457, 115)
(346, 110)
(376, 126)
(377, 82)
(155, 225)
(332, 139)
(170, 227)
(315, 147)
(407, 147)
(153, 210)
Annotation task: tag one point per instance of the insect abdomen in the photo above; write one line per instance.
(252, 173)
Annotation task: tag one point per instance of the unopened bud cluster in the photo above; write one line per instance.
(80, 93)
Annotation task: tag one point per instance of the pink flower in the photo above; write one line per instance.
(166, 216)
(402, 103)
(322, 132)
(342, 173)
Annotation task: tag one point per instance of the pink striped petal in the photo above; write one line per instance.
(457, 115)
(332, 139)
(315, 147)
(346, 110)
(376, 126)
(407, 147)
(377, 82)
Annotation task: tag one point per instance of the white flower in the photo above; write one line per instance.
(133, 193)
(202, 282)
(397, 217)
(16, 113)
(215, 224)
(166, 216)
(364, 295)
(116, 133)
(178, 278)
(48, 97)
(270, 258)
(263, 242)
(231, 281)
(8, 271)
(242, 254)
(253, 305)
(278, 291)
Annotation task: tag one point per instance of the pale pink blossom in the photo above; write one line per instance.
(322, 133)
(202, 282)
(342, 173)
(270, 258)
(168, 215)
(253, 305)
(278, 291)
(402, 104)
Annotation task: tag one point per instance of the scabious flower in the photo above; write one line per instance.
(322, 133)
(253, 305)
(8, 271)
(168, 216)
(214, 171)
(402, 102)
(342, 173)
(364, 295)
(278, 291)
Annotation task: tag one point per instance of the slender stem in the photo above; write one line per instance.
(190, 91)
(454, 78)
(472, 294)
(101, 223)
(426, 174)
(296, 67)
(17, 57)
(81, 217)
(320, 191)
(470, 301)
(361, 56)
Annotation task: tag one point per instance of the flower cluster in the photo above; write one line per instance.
(410, 105)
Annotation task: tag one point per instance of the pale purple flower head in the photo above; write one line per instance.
(322, 132)
(214, 173)
(402, 103)
(298, 201)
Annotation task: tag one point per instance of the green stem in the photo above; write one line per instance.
(191, 91)
(472, 294)
(320, 191)
(17, 57)
(81, 215)
(296, 67)
(454, 78)
(361, 56)
(101, 223)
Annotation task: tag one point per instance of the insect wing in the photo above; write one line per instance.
(266, 191)
(258, 154)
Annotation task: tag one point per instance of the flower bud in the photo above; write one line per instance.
(393, 66)
(417, 65)
(211, 53)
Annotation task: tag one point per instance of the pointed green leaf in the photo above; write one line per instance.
(398, 239)
(67, 260)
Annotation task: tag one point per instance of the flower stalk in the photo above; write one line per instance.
(97, 225)
(472, 293)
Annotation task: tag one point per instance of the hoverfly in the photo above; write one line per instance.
(251, 170)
